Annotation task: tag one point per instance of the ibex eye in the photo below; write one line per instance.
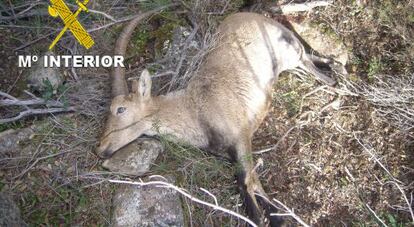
(120, 110)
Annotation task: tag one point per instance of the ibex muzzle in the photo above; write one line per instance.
(223, 104)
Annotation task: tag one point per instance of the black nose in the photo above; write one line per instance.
(104, 152)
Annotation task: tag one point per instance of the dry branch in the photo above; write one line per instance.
(55, 106)
(31, 112)
(300, 7)
(375, 215)
(392, 97)
(289, 212)
(30, 102)
(278, 142)
(128, 18)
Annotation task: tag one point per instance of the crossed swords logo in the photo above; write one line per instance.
(59, 8)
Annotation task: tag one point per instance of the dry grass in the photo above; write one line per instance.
(339, 157)
(325, 168)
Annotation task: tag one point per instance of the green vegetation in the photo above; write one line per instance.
(374, 67)
(152, 4)
(12, 125)
(194, 169)
(193, 165)
(49, 92)
(149, 39)
(291, 101)
(145, 35)
(140, 39)
(164, 34)
(54, 207)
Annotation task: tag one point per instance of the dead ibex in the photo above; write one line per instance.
(222, 106)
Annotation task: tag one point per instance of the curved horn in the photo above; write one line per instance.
(119, 84)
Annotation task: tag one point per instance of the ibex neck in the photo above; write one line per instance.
(177, 117)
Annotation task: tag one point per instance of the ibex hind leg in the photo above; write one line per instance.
(250, 187)
(307, 64)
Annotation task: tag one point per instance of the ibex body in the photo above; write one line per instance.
(223, 104)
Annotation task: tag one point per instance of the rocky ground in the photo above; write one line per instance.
(336, 156)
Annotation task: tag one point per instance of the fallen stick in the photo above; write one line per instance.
(288, 212)
(30, 112)
(300, 7)
(54, 106)
(31, 102)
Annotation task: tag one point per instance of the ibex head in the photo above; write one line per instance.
(130, 111)
(129, 117)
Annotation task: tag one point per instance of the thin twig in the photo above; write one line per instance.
(96, 12)
(34, 41)
(128, 18)
(289, 212)
(210, 194)
(38, 160)
(278, 142)
(410, 205)
(15, 81)
(375, 215)
(395, 181)
(375, 158)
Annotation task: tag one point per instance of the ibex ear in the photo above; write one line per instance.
(143, 86)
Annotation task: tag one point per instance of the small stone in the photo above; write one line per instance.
(9, 139)
(146, 206)
(136, 158)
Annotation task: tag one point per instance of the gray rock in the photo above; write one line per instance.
(9, 139)
(38, 74)
(9, 212)
(136, 158)
(327, 44)
(146, 206)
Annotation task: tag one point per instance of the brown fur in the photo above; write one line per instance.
(223, 104)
